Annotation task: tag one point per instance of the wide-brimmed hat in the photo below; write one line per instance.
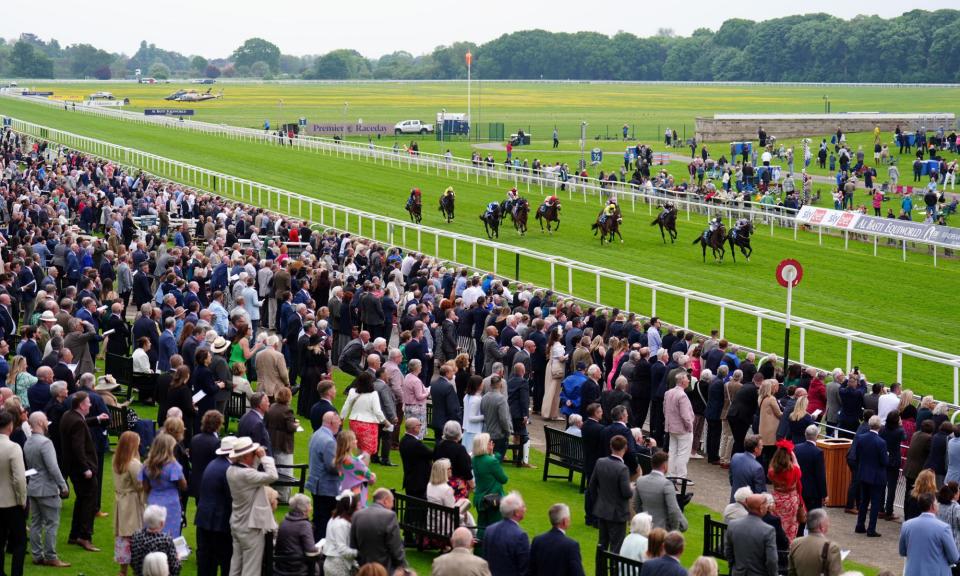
(48, 316)
(226, 445)
(243, 446)
(105, 384)
(220, 345)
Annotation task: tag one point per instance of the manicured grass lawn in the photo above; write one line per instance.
(849, 288)
(538, 495)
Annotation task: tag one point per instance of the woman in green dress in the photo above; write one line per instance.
(489, 477)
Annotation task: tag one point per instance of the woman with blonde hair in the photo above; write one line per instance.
(770, 415)
(489, 478)
(439, 491)
(556, 371)
(597, 350)
(163, 480)
(19, 380)
(704, 566)
(620, 348)
(128, 502)
(355, 476)
(926, 484)
(908, 414)
(799, 420)
(462, 363)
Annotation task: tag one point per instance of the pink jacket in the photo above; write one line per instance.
(414, 392)
(677, 411)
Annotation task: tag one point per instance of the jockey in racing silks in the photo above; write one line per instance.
(740, 225)
(448, 191)
(414, 197)
(493, 209)
(609, 210)
(550, 202)
(714, 223)
(512, 197)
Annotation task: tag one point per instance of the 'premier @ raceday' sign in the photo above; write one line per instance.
(339, 128)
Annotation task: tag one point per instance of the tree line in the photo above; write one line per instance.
(917, 46)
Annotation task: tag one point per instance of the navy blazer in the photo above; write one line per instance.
(871, 458)
(506, 548)
(214, 504)
(621, 429)
(31, 352)
(814, 472)
(203, 448)
(553, 553)
(317, 411)
(745, 470)
(446, 404)
(663, 566)
(593, 436)
(251, 424)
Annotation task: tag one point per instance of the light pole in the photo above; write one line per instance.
(583, 141)
(443, 117)
(469, 63)
(343, 135)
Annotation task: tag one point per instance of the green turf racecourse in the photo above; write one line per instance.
(853, 289)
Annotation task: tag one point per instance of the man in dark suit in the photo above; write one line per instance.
(750, 543)
(142, 285)
(746, 469)
(327, 391)
(538, 357)
(740, 415)
(593, 450)
(590, 389)
(669, 563)
(375, 533)
(518, 398)
(446, 404)
(119, 341)
(872, 473)
(417, 460)
(506, 547)
(813, 470)
(80, 462)
(144, 326)
(610, 493)
(203, 449)
(619, 427)
(553, 553)
(30, 350)
(251, 424)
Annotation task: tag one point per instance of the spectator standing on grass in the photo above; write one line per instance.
(506, 546)
(610, 493)
(46, 491)
(750, 544)
(657, 496)
(553, 553)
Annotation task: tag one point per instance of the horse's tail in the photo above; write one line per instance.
(655, 221)
(595, 226)
(697, 240)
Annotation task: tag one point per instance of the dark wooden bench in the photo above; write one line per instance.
(236, 408)
(566, 451)
(423, 521)
(118, 421)
(714, 544)
(296, 478)
(121, 368)
(610, 564)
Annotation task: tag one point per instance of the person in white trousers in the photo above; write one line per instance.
(678, 414)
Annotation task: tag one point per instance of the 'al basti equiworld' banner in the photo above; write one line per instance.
(889, 227)
(340, 129)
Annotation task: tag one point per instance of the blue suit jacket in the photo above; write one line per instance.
(871, 458)
(554, 554)
(31, 352)
(168, 348)
(928, 545)
(253, 425)
(214, 504)
(663, 566)
(814, 479)
(506, 548)
(746, 471)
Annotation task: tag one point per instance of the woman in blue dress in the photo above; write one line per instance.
(163, 481)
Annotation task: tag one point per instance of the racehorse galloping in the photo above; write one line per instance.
(739, 237)
(667, 219)
(550, 213)
(609, 227)
(491, 221)
(447, 205)
(715, 239)
(416, 211)
(519, 213)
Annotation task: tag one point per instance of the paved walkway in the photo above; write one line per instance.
(713, 491)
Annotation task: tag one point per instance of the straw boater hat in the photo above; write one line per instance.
(220, 345)
(48, 316)
(243, 446)
(226, 445)
(105, 384)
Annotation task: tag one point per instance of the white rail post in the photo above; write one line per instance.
(598, 287)
(723, 319)
(553, 275)
(653, 302)
(899, 366)
(626, 299)
(803, 337)
(686, 312)
(849, 354)
(474, 261)
(495, 254)
(570, 280)
(759, 332)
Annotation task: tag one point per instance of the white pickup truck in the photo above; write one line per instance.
(412, 127)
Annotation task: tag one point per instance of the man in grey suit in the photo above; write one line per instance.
(375, 533)
(751, 543)
(610, 493)
(492, 352)
(656, 495)
(45, 491)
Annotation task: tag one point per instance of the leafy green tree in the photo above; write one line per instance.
(211, 71)
(256, 50)
(199, 64)
(260, 69)
(28, 62)
(160, 71)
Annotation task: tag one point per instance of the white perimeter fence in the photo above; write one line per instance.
(464, 251)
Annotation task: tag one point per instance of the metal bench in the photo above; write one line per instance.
(424, 521)
(297, 477)
(566, 451)
(121, 368)
(611, 564)
(118, 421)
(236, 408)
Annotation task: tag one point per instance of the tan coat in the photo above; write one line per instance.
(770, 414)
(13, 483)
(806, 557)
(460, 562)
(129, 501)
(271, 372)
(251, 506)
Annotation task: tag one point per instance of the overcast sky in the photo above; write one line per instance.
(214, 28)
